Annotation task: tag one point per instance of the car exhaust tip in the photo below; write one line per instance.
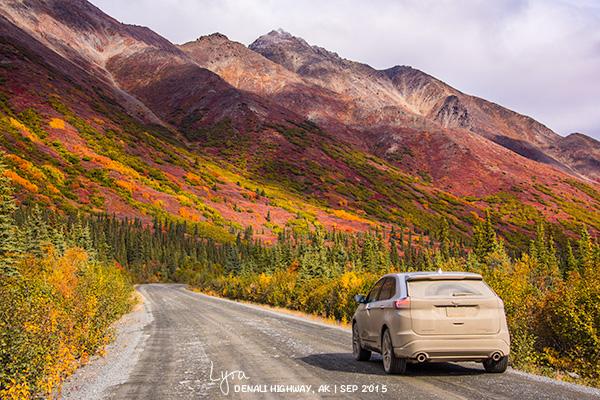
(496, 356)
(421, 357)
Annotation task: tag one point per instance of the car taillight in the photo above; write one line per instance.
(402, 303)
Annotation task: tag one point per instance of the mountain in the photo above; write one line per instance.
(404, 96)
(100, 116)
(413, 120)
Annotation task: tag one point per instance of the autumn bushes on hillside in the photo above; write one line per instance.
(554, 321)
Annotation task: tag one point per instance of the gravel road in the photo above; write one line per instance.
(185, 345)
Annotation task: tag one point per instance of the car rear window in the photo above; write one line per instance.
(448, 288)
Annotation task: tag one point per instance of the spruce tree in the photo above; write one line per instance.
(571, 262)
(9, 243)
(394, 257)
(57, 237)
(485, 240)
(543, 252)
(232, 259)
(248, 233)
(587, 250)
(445, 240)
(36, 233)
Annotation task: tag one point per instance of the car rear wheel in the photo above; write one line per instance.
(359, 353)
(496, 367)
(391, 363)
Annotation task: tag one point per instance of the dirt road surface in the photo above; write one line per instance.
(185, 345)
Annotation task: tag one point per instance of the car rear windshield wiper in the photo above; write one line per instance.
(463, 294)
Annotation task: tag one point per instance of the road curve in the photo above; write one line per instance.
(273, 353)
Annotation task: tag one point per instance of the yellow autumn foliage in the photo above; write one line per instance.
(553, 327)
(55, 313)
(193, 179)
(27, 166)
(24, 130)
(343, 214)
(189, 214)
(57, 123)
(116, 166)
(184, 200)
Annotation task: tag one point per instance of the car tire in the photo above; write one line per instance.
(358, 352)
(391, 363)
(496, 367)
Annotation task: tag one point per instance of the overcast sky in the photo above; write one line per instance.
(537, 57)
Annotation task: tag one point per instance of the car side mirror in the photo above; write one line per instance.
(360, 299)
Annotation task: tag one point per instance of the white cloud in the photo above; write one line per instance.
(538, 57)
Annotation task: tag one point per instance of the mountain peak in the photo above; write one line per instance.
(216, 36)
(578, 136)
(280, 32)
(278, 37)
(292, 52)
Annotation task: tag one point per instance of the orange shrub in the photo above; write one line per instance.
(127, 186)
(189, 214)
(12, 175)
(55, 313)
(25, 165)
(343, 214)
(193, 179)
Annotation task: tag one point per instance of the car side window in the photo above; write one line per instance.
(388, 290)
(375, 291)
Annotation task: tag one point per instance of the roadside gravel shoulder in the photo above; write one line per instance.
(92, 380)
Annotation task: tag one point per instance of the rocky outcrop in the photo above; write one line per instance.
(453, 114)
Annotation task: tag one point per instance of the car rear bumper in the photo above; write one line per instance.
(454, 348)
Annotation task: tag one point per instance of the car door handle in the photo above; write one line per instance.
(382, 306)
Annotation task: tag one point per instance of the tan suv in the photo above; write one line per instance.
(431, 316)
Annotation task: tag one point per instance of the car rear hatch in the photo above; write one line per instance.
(455, 304)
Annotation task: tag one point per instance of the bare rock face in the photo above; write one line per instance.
(453, 114)
(252, 72)
(372, 95)
(239, 66)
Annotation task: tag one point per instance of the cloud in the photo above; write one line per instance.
(537, 57)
